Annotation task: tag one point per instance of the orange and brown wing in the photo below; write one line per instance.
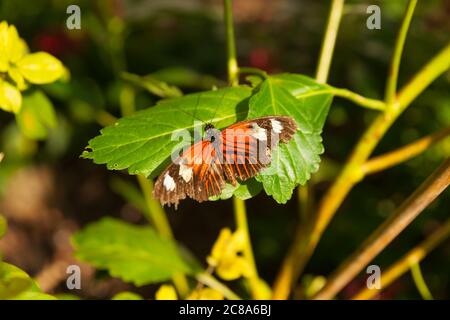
(238, 152)
(247, 145)
(197, 173)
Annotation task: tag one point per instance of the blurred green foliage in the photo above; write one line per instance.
(183, 45)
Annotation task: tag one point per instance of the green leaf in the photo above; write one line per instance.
(10, 97)
(36, 116)
(245, 190)
(3, 226)
(33, 295)
(126, 295)
(12, 280)
(308, 103)
(185, 77)
(152, 85)
(16, 284)
(67, 296)
(40, 68)
(133, 253)
(142, 141)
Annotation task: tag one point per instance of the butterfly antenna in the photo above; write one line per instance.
(215, 112)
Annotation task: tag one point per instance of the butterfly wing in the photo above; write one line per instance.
(238, 152)
(248, 145)
(197, 173)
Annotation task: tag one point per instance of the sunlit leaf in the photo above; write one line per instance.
(154, 86)
(3, 226)
(142, 141)
(10, 97)
(133, 253)
(16, 284)
(41, 67)
(126, 295)
(36, 116)
(308, 103)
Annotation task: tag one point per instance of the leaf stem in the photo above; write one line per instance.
(233, 70)
(326, 52)
(359, 99)
(256, 71)
(420, 282)
(290, 268)
(242, 224)
(239, 205)
(415, 255)
(433, 69)
(391, 83)
(154, 213)
(208, 280)
(427, 192)
(405, 153)
(307, 237)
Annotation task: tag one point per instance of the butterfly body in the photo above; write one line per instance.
(234, 154)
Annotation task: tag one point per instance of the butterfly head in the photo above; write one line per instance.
(211, 133)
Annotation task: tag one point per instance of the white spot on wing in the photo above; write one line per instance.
(276, 126)
(185, 172)
(259, 133)
(168, 182)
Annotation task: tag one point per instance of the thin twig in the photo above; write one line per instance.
(289, 269)
(326, 52)
(359, 99)
(390, 159)
(208, 280)
(391, 83)
(233, 70)
(308, 236)
(415, 255)
(432, 187)
(420, 283)
(242, 224)
(433, 69)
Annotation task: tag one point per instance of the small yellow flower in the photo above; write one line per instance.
(205, 294)
(17, 66)
(166, 292)
(225, 255)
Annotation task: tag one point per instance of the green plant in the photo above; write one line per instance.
(140, 143)
(18, 70)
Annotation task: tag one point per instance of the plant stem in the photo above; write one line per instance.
(429, 190)
(326, 52)
(415, 255)
(208, 280)
(308, 236)
(158, 218)
(154, 213)
(359, 100)
(391, 83)
(438, 65)
(233, 70)
(239, 205)
(405, 153)
(290, 270)
(420, 282)
(242, 224)
(251, 70)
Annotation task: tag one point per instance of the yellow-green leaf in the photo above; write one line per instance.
(10, 97)
(15, 74)
(3, 226)
(40, 68)
(4, 64)
(36, 116)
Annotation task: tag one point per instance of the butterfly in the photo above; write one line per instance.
(236, 153)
